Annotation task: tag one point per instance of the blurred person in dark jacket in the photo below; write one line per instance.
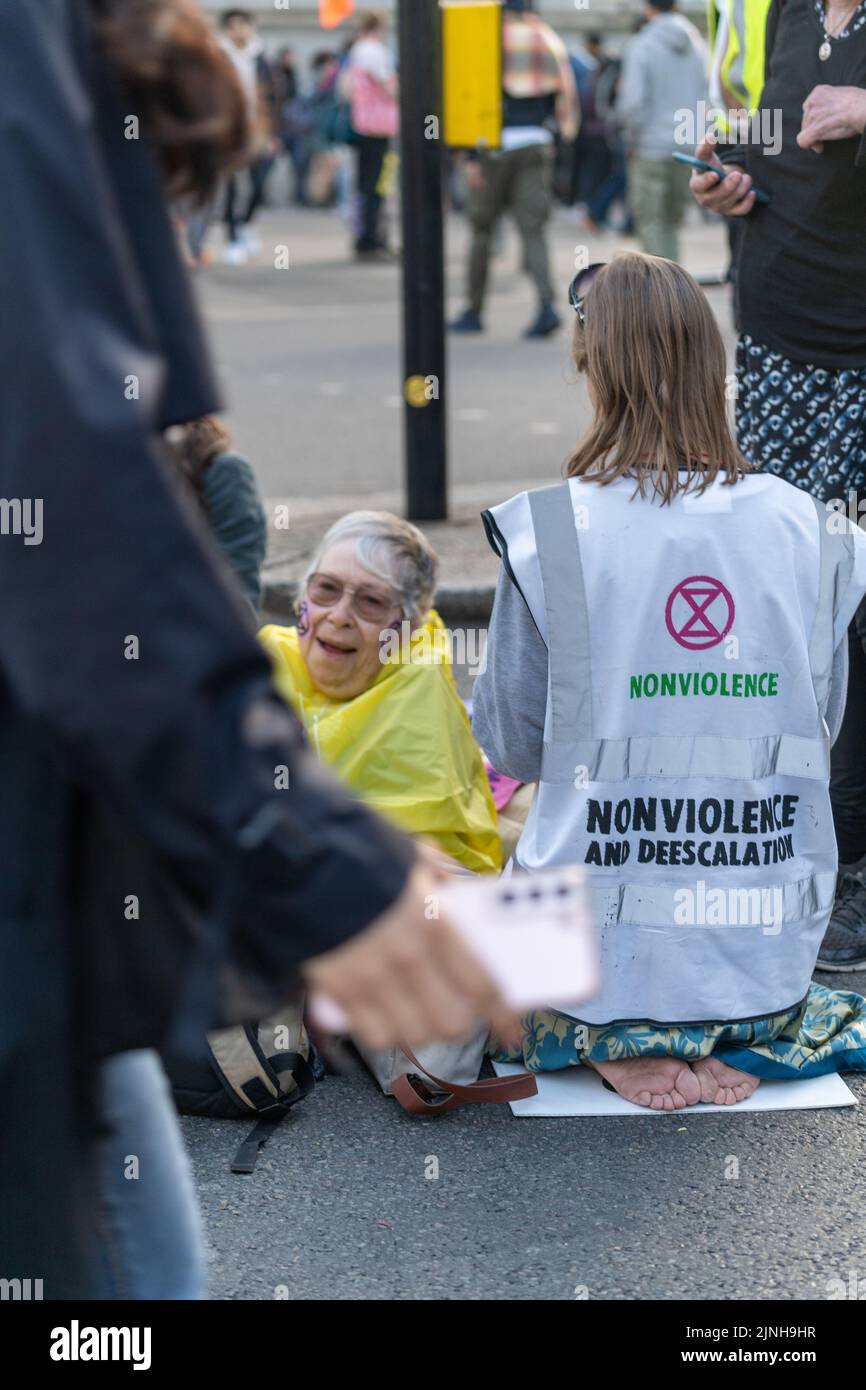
(598, 169)
(156, 881)
(294, 122)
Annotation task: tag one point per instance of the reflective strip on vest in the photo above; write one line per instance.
(837, 567)
(734, 60)
(742, 65)
(643, 905)
(750, 759)
(565, 611)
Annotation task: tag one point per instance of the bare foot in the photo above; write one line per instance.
(721, 1084)
(659, 1083)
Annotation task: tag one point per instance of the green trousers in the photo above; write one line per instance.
(658, 194)
(519, 182)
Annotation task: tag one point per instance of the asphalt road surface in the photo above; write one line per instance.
(339, 1206)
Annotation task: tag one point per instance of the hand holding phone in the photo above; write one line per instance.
(532, 933)
(728, 190)
(407, 978)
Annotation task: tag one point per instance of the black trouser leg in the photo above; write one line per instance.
(50, 1206)
(848, 759)
(231, 205)
(259, 171)
(371, 156)
(736, 229)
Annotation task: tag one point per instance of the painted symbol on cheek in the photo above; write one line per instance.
(303, 619)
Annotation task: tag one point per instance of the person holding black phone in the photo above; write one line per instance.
(801, 317)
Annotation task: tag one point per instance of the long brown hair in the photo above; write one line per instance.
(655, 362)
(181, 85)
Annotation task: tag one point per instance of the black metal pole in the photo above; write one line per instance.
(423, 262)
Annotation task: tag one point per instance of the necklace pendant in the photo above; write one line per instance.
(824, 51)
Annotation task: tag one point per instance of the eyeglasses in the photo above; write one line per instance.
(579, 286)
(369, 605)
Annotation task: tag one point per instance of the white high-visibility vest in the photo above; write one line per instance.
(697, 671)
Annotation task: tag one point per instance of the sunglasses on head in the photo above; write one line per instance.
(579, 286)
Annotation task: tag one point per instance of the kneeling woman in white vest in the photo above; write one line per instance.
(667, 661)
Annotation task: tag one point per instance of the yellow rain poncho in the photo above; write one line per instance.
(404, 745)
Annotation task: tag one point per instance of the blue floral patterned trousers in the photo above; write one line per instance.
(807, 424)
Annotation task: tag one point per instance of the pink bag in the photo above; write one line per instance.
(374, 112)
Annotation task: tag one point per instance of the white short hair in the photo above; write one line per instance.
(393, 550)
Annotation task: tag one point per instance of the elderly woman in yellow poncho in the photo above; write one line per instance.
(368, 671)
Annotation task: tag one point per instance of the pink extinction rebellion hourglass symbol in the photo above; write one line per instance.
(699, 612)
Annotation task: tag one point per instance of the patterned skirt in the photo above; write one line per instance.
(826, 1034)
(808, 424)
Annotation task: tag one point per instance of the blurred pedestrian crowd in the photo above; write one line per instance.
(333, 125)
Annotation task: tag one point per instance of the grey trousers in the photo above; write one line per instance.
(519, 182)
(658, 192)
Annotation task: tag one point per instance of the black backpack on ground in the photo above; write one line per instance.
(250, 1071)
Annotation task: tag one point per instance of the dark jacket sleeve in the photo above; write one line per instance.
(117, 633)
(237, 518)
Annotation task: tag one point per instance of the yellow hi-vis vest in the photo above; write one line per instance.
(742, 68)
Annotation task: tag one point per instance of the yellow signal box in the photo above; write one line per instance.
(472, 73)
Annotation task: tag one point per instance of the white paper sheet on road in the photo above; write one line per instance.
(579, 1091)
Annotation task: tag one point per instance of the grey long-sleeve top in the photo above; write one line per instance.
(510, 695)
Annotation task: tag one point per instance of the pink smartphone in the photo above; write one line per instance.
(533, 932)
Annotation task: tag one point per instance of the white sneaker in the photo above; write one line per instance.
(235, 253)
(250, 240)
